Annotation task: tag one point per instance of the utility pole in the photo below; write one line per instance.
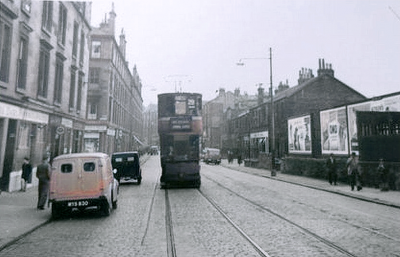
(273, 173)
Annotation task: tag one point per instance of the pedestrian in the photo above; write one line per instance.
(383, 174)
(353, 172)
(332, 169)
(43, 174)
(230, 157)
(239, 159)
(26, 174)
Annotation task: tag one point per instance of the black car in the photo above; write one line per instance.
(127, 165)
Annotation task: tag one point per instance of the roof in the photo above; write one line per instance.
(293, 90)
(123, 153)
(81, 155)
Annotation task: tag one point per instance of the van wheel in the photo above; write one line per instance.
(139, 181)
(105, 209)
(115, 204)
(55, 214)
(55, 211)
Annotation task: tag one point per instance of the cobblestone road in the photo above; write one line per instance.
(259, 206)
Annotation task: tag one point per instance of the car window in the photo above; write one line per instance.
(89, 166)
(131, 158)
(118, 159)
(66, 168)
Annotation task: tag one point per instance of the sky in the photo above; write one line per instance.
(194, 46)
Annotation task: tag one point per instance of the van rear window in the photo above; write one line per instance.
(66, 168)
(89, 166)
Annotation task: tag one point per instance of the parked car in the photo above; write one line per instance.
(80, 181)
(127, 165)
(212, 155)
(154, 150)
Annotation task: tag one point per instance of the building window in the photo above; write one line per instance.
(82, 48)
(5, 50)
(72, 89)
(79, 92)
(22, 63)
(94, 75)
(62, 24)
(26, 6)
(58, 80)
(81, 6)
(23, 137)
(75, 40)
(110, 109)
(96, 49)
(47, 15)
(43, 78)
(92, 111)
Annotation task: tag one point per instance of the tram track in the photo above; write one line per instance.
(326, 242)
(171, 252)
(258, 249)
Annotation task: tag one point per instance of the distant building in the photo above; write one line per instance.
(213, 115)
(44, 63)
(115, 104)
(150, 126)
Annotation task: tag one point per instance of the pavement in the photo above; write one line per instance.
(19, 216)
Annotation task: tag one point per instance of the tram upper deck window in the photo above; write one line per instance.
(171, 105)
(180, 106)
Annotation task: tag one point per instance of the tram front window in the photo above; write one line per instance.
(182, 148)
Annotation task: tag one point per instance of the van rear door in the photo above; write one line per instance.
(92, 183)
(76, 179)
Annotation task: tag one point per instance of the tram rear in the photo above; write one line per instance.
(180, 128)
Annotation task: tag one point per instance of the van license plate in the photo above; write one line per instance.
(78, 203)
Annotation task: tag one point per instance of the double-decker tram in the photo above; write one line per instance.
(180, 128)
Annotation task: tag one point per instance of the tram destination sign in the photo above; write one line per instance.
(180, 123)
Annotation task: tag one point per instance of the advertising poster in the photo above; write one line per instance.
(334, 131)
(352, 121)
(299, 135)
(390, 104)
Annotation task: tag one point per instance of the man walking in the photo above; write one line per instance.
(43, 174)
(332, 169)
(353, 172)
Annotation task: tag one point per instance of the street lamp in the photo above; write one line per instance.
(241, 63)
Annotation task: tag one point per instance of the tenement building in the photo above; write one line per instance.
(44, 63)
(214, 135)
(114, 94)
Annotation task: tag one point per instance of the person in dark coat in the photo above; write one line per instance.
(26, 174)
(43, 174)
(332, 169)
(383, 173)
(239, 159)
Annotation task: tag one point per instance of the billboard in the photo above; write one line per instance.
(334, 131)
(299, 135)
(391, 104)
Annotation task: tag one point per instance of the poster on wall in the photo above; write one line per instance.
(388, 104)
(299, 135)
(352, 121)
(334, 131)
(391, 104)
